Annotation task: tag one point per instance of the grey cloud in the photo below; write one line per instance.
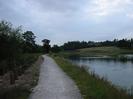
(63, 20)
(61, 5)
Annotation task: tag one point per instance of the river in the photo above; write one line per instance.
(119, 73)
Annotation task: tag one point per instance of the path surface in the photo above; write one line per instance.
(54, 83)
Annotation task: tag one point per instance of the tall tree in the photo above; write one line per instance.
(29, 37)
(29, 44)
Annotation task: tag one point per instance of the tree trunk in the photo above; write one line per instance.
(12, 78)
(15, 70)
(15, 74)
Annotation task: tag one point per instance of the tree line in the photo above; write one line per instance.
(73, 45)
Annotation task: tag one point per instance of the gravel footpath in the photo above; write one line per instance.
(54, 83)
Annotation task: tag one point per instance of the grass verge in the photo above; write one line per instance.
(91, 86)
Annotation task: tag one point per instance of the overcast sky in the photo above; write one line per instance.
(66, 20)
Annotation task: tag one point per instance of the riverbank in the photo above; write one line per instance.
(96, 51)
(25, 82)
(91, 86)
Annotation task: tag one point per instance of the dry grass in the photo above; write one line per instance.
(25, 83)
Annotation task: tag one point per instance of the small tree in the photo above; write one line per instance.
(46, 45)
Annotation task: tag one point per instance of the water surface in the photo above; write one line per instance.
(119, 73)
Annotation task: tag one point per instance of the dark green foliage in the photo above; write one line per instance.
(29, 45)
(25, 61)
(10, 41)
(38, 49)
(73, 45)
(14, 93)
(55, 49)
(46, 46)
(29, 37)
(13, 44)
(10, 49)
(124, 43)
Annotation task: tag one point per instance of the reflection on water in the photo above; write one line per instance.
(128, 56)
(118, 72)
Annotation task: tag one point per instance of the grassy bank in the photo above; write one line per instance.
(25, 82)
(96, 51)
(91, 86)
(109, 51)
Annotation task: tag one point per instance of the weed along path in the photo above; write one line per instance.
(54, 83)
